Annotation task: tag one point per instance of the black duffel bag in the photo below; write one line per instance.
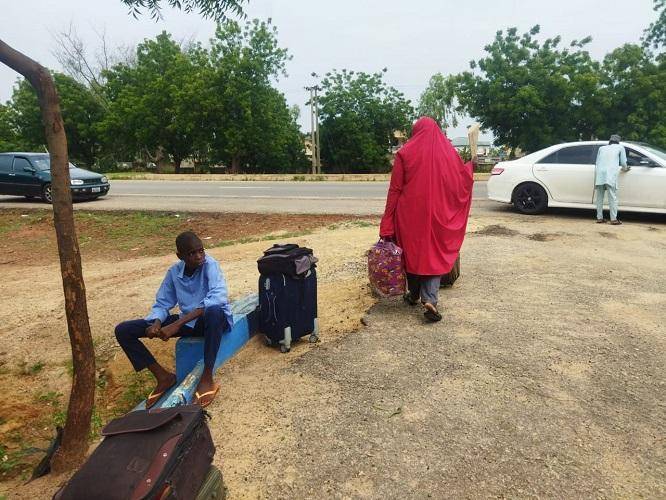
(288, 259)
(155, 454)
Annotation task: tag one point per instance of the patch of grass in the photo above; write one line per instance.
(268, 237)
(298, 178)
(137, 387)
(16, 221)
(69, 366)
(54, 400)
(96, 425)
(9, 461)
(27, 370)
(362, 223)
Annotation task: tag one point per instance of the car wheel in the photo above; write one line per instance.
(530, 198)
(46, 193)
(450, 278)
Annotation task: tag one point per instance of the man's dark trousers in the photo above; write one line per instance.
(210, 326)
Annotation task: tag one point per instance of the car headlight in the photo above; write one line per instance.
(76, 182)
(104, 180)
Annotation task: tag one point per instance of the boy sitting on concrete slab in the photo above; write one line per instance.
(196, 284)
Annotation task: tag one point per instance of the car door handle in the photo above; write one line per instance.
(541, 169)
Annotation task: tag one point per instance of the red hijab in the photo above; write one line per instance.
(429, 200)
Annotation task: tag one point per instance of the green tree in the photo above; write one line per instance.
(533, 94)
(252, 126)
(636, 87)
(655, 35)
(155, 105)
(360, 114)
(439, 100)
(81, 112)
(9, 140)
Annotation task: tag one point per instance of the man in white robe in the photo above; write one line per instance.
(611, 159)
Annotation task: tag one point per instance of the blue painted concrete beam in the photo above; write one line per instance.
(189, 354)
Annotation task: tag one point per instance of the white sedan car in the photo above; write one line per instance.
(563, 176)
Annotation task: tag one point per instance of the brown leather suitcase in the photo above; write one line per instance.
(156, 454)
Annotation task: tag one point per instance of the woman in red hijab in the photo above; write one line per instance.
(427, 208)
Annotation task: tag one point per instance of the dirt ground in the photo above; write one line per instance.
(546, 377)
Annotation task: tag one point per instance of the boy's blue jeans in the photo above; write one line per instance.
(210, 326)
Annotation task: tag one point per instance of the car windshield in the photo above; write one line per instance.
(654, 150)
(44, 163)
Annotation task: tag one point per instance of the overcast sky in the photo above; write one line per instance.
(413, 39)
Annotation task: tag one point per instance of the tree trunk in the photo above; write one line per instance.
(235, 164)
(176, 165)
(161, 160)
(82, 397)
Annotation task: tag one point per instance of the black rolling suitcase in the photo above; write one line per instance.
(154, 454)
(288, 295)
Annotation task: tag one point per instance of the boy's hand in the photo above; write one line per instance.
(168, 331)
(154, 330)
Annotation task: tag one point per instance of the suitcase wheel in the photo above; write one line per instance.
(314, 338)
(284, 349)
(268, 341)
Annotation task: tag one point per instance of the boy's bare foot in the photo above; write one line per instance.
(164, 383)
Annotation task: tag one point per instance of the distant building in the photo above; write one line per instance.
(483, 148)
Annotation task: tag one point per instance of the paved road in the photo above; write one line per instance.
(258, 197)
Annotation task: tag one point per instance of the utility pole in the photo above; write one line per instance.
(316, 108)
(314, 134)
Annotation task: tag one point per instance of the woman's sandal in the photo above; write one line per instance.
(431, 313)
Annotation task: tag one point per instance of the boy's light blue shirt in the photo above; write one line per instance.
(609, 160)
(206, 287)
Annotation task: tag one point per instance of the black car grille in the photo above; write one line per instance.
(92, 181)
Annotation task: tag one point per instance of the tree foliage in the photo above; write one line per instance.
(439, 101)
(532, 94)
(655, 35)
(360, 114)
(154, 104)
(634, 84)
(170, 103)
(213, 9)
(81, 113)
(254, 129)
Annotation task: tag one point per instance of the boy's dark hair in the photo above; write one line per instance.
(186, 240)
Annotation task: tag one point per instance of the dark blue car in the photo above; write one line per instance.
(29, 175)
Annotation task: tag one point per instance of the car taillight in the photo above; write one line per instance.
(496, 171)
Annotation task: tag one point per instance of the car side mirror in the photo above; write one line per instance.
(29, 169)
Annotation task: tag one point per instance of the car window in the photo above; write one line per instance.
(634, 158)
(6, 163)
(573, 155)
(576, 155)
(20, 164)
(551, 158)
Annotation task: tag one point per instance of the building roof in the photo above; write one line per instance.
(460, 142)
